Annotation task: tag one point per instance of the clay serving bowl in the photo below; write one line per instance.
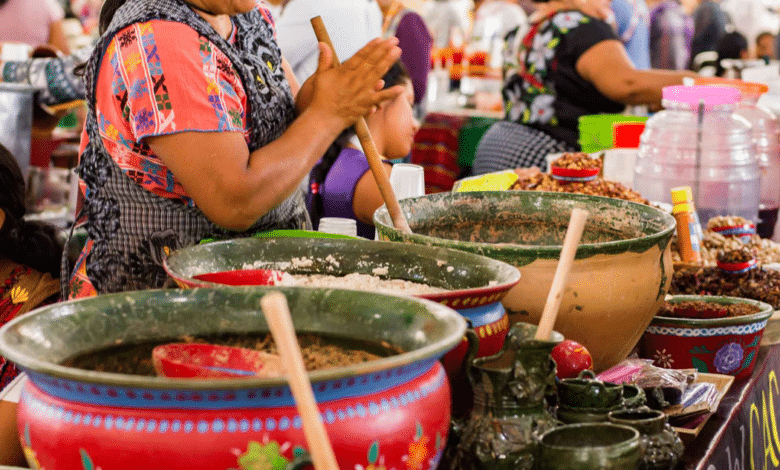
(618, 280)
(476, 284)
(386, 411)
(719, 345)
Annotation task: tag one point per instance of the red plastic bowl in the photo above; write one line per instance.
(717, 345)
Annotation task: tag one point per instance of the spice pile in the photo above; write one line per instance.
(678, 309)
(597, 187)
(766, 251)
(756, 284)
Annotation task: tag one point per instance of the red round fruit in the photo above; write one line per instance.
(571, 358)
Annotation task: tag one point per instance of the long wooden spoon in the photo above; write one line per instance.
(369, 148)
(277, 315)
(554, 297)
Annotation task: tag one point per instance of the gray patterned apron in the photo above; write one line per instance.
(132, 229)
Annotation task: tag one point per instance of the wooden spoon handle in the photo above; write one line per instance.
(369, 148)
(569, 249)
(277, 315)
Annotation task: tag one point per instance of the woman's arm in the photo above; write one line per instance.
(234, 187)
(607, 66)
(367, 198)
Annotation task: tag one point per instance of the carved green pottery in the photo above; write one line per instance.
(591, 446)
(509, 410)
(661, 446)
(618, 280)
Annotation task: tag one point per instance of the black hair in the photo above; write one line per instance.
(396, 75)
(107, 14)
(33, 244)
(730, 46)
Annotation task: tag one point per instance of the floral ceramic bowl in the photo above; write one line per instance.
(719, 345)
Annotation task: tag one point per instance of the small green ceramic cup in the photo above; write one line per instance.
(590, 446)
(586, 391)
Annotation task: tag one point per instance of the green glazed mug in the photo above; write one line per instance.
(586, 391)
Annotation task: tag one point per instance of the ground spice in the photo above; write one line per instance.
(756, 284)
(672, 310)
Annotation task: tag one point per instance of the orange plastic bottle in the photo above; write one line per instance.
(688, 227)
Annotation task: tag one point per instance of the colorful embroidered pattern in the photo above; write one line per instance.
(145, 103)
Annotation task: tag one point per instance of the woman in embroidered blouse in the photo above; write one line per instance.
(29, 267)
(192, 132)
(570, 64)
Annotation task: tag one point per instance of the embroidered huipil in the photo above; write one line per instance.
(164, 70)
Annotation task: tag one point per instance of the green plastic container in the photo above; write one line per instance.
(596, 130)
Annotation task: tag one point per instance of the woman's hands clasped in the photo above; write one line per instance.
(353, 89)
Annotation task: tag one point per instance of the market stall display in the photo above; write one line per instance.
(618, 279)
(66, 413)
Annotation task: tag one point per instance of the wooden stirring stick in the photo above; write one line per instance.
(369, 148)
(553, 303)
(277, 315)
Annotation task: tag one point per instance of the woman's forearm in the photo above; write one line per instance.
(646, 86)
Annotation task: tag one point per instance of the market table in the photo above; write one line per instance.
(743, 433)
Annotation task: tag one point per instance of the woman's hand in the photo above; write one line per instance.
(353, 89)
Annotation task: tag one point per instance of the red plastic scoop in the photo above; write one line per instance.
(198, 360)
(244, 277)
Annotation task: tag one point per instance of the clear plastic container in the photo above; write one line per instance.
(698, 141)
(766, 136)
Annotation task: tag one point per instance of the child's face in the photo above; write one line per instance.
(399, 119)
(765, 47)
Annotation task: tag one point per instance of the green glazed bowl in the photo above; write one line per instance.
(590, 446)
(618, 280)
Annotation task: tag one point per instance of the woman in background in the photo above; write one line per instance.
(341, 184)
(570, 64)
(29, 266)
(33, 22)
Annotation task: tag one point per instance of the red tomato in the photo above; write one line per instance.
(571, 357)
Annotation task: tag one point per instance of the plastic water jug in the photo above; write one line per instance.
(698, 141)
(766, 136)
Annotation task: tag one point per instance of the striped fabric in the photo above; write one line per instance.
(436, 150)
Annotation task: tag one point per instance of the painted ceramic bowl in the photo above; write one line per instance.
(392, 412)
(618, 280)
(718, 345)
(476, 284)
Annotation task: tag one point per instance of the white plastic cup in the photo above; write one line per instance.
(407, 180)
(338, 225)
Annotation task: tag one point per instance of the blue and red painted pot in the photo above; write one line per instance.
(391, 413)
(725, 345)
(476, 284)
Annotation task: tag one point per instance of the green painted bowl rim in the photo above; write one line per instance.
(764, 314)
(447, 317)
(630, 442)
(383, 222)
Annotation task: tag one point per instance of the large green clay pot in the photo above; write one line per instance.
(618, 280)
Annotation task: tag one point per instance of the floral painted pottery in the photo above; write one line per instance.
(509, 410)
(392, 412)
(618, 280)
(661, 446)
(718, 345)
(476, 284)
(590, 446)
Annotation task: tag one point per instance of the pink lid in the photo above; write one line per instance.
(712, 96)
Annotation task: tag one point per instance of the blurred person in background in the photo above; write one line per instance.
(415, 42)
(732, 45)
(632, 21)
(33, 22)
(496, 19)
(351, 24)
(558, 74)
(444, 22)
(765, 46)
(29, 267)
(709, 25)
(671, 33)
